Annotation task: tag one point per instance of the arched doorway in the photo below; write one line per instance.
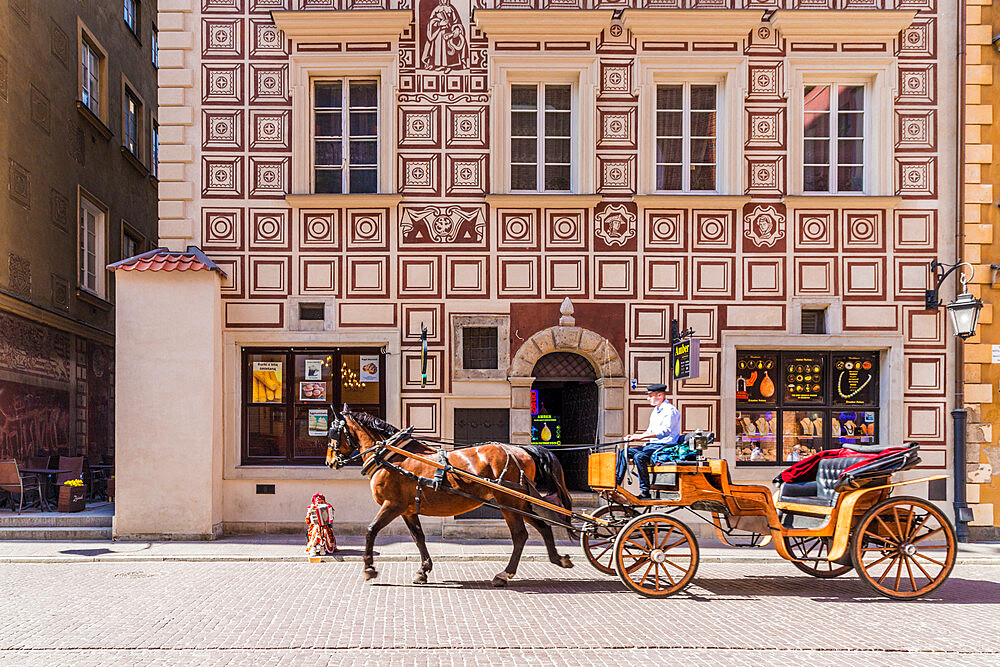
(565, 408)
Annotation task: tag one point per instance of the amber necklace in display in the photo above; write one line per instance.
(854, 393)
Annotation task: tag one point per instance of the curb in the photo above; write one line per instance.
(395, 558)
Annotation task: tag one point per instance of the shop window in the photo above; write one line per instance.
(790, 405)
(288, 396)
(479, 348)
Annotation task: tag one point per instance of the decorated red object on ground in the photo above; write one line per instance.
(319, 520)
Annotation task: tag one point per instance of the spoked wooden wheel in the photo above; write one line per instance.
(814, 551)
(598, 546)
(904, 548)
(655, 555)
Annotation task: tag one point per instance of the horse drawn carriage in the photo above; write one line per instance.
(832, 513)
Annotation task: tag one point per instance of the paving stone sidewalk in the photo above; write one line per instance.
(389, 547)
(286, 613)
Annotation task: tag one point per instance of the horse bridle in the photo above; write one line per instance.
(336, 433)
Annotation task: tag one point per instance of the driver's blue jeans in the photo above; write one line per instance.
(643, 458)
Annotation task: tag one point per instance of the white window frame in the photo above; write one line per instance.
(154, 48)
(308, 67)
(877, 75)
(154, 146)
(89, 205)
(580, 73)
(131, 132)
(728, 74)
(90, 58)
(541, 135)
(833, 163)
(345, 164)
(686, 137)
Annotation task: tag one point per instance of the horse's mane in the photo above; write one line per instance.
(381, 428)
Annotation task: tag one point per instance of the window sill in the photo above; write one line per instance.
(154, 181)
(686, 199)
(380, 200)
(134, 161)
(547, 199)
(89, 297)
(841, 201)
(98, 124)
(271, 471)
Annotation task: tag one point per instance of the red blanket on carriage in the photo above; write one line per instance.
(805, 470)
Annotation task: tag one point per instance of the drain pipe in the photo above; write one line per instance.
(959, 414)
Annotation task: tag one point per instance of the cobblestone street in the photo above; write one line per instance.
(300, 613)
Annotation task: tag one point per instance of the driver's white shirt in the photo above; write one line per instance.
(665, 424)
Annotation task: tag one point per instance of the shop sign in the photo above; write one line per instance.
(369, 368)
(545, 430)
(804, 379)
(754, 381)
(854, 379)
(318, 422)
(534, 402)
(686, 355)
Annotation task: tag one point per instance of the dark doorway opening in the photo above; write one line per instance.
(566, 399)
(475, 425)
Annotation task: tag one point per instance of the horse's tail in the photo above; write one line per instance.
(550, 479)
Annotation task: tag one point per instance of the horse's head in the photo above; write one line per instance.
(341, 443)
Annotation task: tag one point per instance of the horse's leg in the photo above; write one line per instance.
(385, 515)
(518, 535)
(550, 543)
(413, 523)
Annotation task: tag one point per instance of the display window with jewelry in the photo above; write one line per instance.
(791, 404)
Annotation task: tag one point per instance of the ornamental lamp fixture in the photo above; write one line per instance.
(965, 308)
(965, 314)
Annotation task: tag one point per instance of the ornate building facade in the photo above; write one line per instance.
(544, 188)
(77, 131)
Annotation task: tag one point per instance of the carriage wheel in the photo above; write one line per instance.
(904, 547)
(655, 555)
(598, 544)
(814, 550)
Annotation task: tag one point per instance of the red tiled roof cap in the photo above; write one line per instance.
(162, 259)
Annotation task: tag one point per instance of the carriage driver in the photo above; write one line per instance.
(664, 429)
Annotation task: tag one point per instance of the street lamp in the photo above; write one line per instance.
(964, 312)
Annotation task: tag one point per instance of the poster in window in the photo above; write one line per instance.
(312, 391)
(854, 427)
(803, 378)
(755, 381)
(369, 368)
(314, 369)
(855, 379)
(318, 423)
(266, 382)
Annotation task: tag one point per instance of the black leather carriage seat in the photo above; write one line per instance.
(821, 492)
(870, 449)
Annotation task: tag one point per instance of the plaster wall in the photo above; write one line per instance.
(169, 418)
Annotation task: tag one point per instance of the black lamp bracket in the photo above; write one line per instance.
(941, 272)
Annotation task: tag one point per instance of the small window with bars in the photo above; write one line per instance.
(541, 137)
(479, 348)
(814, 320)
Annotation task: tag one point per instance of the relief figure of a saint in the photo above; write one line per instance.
(445, 46)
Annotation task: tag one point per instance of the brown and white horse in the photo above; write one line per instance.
(397, 493)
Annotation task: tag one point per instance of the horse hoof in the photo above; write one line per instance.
(370, 573)
(420, 578)
(499, 582)
(564, 561)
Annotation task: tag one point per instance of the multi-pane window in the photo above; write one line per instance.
(686, 137)
(345, 113)
(541, 137)
(91, 242)
(479, 348)
(130, 133)
(90, 61)
(131, 15)
(154, 49)
(833, 138)
(131, 245)
(154, 150)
